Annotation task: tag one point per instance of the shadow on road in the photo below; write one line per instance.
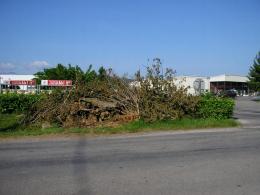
(80, 171)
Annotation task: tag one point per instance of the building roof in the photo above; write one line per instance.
(229, 78)
(192, 76)
(7, 77)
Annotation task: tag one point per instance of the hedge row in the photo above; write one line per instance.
(13, 102)
(215, 107)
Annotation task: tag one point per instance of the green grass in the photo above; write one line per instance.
(9, 121)
(132, 127)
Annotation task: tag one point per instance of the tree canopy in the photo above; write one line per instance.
(254, 74)
(74, 73)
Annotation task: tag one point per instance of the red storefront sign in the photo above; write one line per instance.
(22, 82)
(62, 83)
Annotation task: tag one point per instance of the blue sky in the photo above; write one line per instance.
(194, 37)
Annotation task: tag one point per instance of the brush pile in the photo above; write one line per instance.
(100, 102)
(108, 99)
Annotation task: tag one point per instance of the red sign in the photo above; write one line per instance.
(56, 83)
(22, 82)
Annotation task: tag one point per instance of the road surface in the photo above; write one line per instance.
(220, 162)
(248, 112)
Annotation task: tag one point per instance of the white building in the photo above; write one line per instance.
(226, 82)
(6, 78)
(214, 84)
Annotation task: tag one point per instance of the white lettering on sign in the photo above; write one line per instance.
(22, 82)
(56, 83)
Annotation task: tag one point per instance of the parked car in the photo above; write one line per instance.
(257, 97)
(228, 93)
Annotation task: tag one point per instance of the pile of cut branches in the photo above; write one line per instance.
(98, 102)
(109, 99)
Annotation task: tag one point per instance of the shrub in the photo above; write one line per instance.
(215, 107)
(160, 98)
(12, 102)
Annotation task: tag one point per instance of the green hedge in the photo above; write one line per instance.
(13, 102)
(215, 107)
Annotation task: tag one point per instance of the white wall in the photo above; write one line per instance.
(187, 81)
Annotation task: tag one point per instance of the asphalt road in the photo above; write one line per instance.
(248, 112)
(220, 162)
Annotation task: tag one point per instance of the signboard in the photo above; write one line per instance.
(61, 83)
(22, 82)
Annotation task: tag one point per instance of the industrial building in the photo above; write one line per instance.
(195, 84)
(215, 84)
(228, 82)
(7, 79)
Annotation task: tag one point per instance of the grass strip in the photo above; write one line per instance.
(132, 127)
